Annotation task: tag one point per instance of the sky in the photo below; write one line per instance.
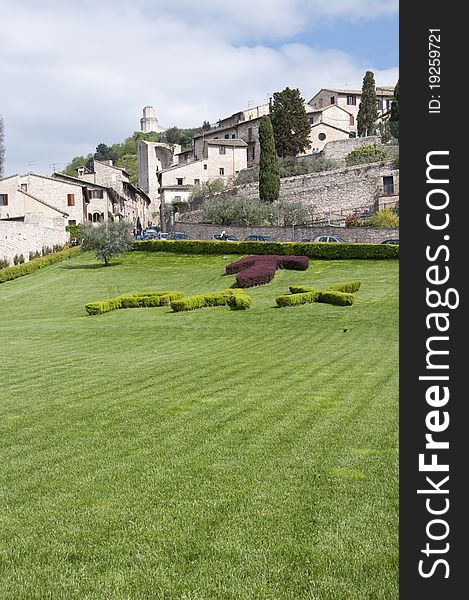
(76, 74)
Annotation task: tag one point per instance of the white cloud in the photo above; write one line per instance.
(76, 76)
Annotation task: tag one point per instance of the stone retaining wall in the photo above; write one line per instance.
(30, 235)
(200, 231)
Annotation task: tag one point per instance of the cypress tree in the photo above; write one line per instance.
(368, 111)
(269, 173)
(290, 123)
(394, 117)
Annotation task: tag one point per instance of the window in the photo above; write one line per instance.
(332, 99)
(253, 152)
(96, 193)
(24, 187)
(379, 104)
(227, 136)
(322, 137)
(221, 171)
(221, 150)
(311, 120)
(3, 199)
(72, 222)
(249, 134)
(177, 199)
(196, 181)
(352, 120)
(388, 104)
(180, 180)
(205, 166)
(233, 136)
(70, 199)
(351, 101)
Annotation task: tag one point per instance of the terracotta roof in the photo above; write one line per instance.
(226, 142)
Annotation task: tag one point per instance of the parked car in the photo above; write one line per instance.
(163, 235)
(148, 236)
(328, 238)
(259, 238)
(391, 242)
(177, 235)
(228, 238)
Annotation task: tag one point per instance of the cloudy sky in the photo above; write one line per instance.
(74, 74)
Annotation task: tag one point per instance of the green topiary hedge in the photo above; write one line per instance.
(139, 300)
(301, 294)
(221, 298)
(317, 250)
(348, 286)
(337, 298)
(38, 263)
(297, 298)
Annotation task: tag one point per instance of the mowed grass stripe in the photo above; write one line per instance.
(206, 455)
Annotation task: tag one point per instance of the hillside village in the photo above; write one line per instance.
(36, 209)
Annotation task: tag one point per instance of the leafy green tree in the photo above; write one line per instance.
(104, 152)
(384, 218)
(236, 211)
(107, 239)
(269, 174)
(2, 148)
(368, 111)
(290, 123)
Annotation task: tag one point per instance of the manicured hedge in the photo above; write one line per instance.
(37, 263)
(324, 296)
(259, 270)
(347, 286)
(296, 299)
(337, 298)
(139, 300)
(221, 298)
(319, 250)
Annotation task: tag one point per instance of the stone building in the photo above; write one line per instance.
(349, 100)
(31, 193)
(126, 200)
(149, 122)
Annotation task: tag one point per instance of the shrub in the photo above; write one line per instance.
(139, 300)
(337, 298)
(316, 250)
(220, 298)
(348, 286)
(26, 268)
(259, 270)
(4, 263)
(297, 298)
(239, 302)
(365, 155)
(384, 218)
(18, 259)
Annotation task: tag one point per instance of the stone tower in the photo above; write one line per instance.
(149, 122)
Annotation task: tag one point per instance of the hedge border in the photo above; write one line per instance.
(235, 298)
(11, 273)
(317, 250)
(138, 300)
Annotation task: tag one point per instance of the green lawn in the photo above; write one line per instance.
(209, 455)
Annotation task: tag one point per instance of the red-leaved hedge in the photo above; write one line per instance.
(260, 269)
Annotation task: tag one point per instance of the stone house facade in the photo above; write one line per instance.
(220, 159)
(31, 193)
(127, 201)
(349, 100)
